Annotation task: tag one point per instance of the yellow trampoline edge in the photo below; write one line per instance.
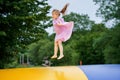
(43, 73)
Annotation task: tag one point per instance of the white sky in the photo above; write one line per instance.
(77, 6)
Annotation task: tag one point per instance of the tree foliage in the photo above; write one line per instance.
(21, 23)
(112, 50)
(109, 9)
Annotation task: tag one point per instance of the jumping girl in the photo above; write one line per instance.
(62, 29)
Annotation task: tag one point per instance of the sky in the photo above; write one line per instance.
(77, 6)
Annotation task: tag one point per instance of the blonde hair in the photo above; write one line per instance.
(62, 11)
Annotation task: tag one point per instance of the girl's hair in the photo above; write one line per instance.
(64, 8)
(62, 11)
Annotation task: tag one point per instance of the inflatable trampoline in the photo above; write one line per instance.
(84, 72)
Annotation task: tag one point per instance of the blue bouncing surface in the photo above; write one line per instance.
(102, 72)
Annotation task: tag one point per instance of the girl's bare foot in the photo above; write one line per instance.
(54, 56)
(60, 57)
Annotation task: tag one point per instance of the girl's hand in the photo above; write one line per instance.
(59, 24)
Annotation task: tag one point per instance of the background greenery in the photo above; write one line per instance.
(22, 32)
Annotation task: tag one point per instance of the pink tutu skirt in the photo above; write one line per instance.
(63, 31)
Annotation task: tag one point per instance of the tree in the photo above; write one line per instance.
(111, 51)
(21, 23)
(109, 45)
(109, 9)
(38, 50)
(88, 52)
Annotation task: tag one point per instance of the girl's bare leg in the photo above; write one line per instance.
(55, 50)
(61, 49)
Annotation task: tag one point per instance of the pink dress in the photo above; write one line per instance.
(63, 31)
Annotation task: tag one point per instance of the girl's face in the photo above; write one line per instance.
(55, 15)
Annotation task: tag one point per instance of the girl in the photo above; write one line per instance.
(62, 29)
